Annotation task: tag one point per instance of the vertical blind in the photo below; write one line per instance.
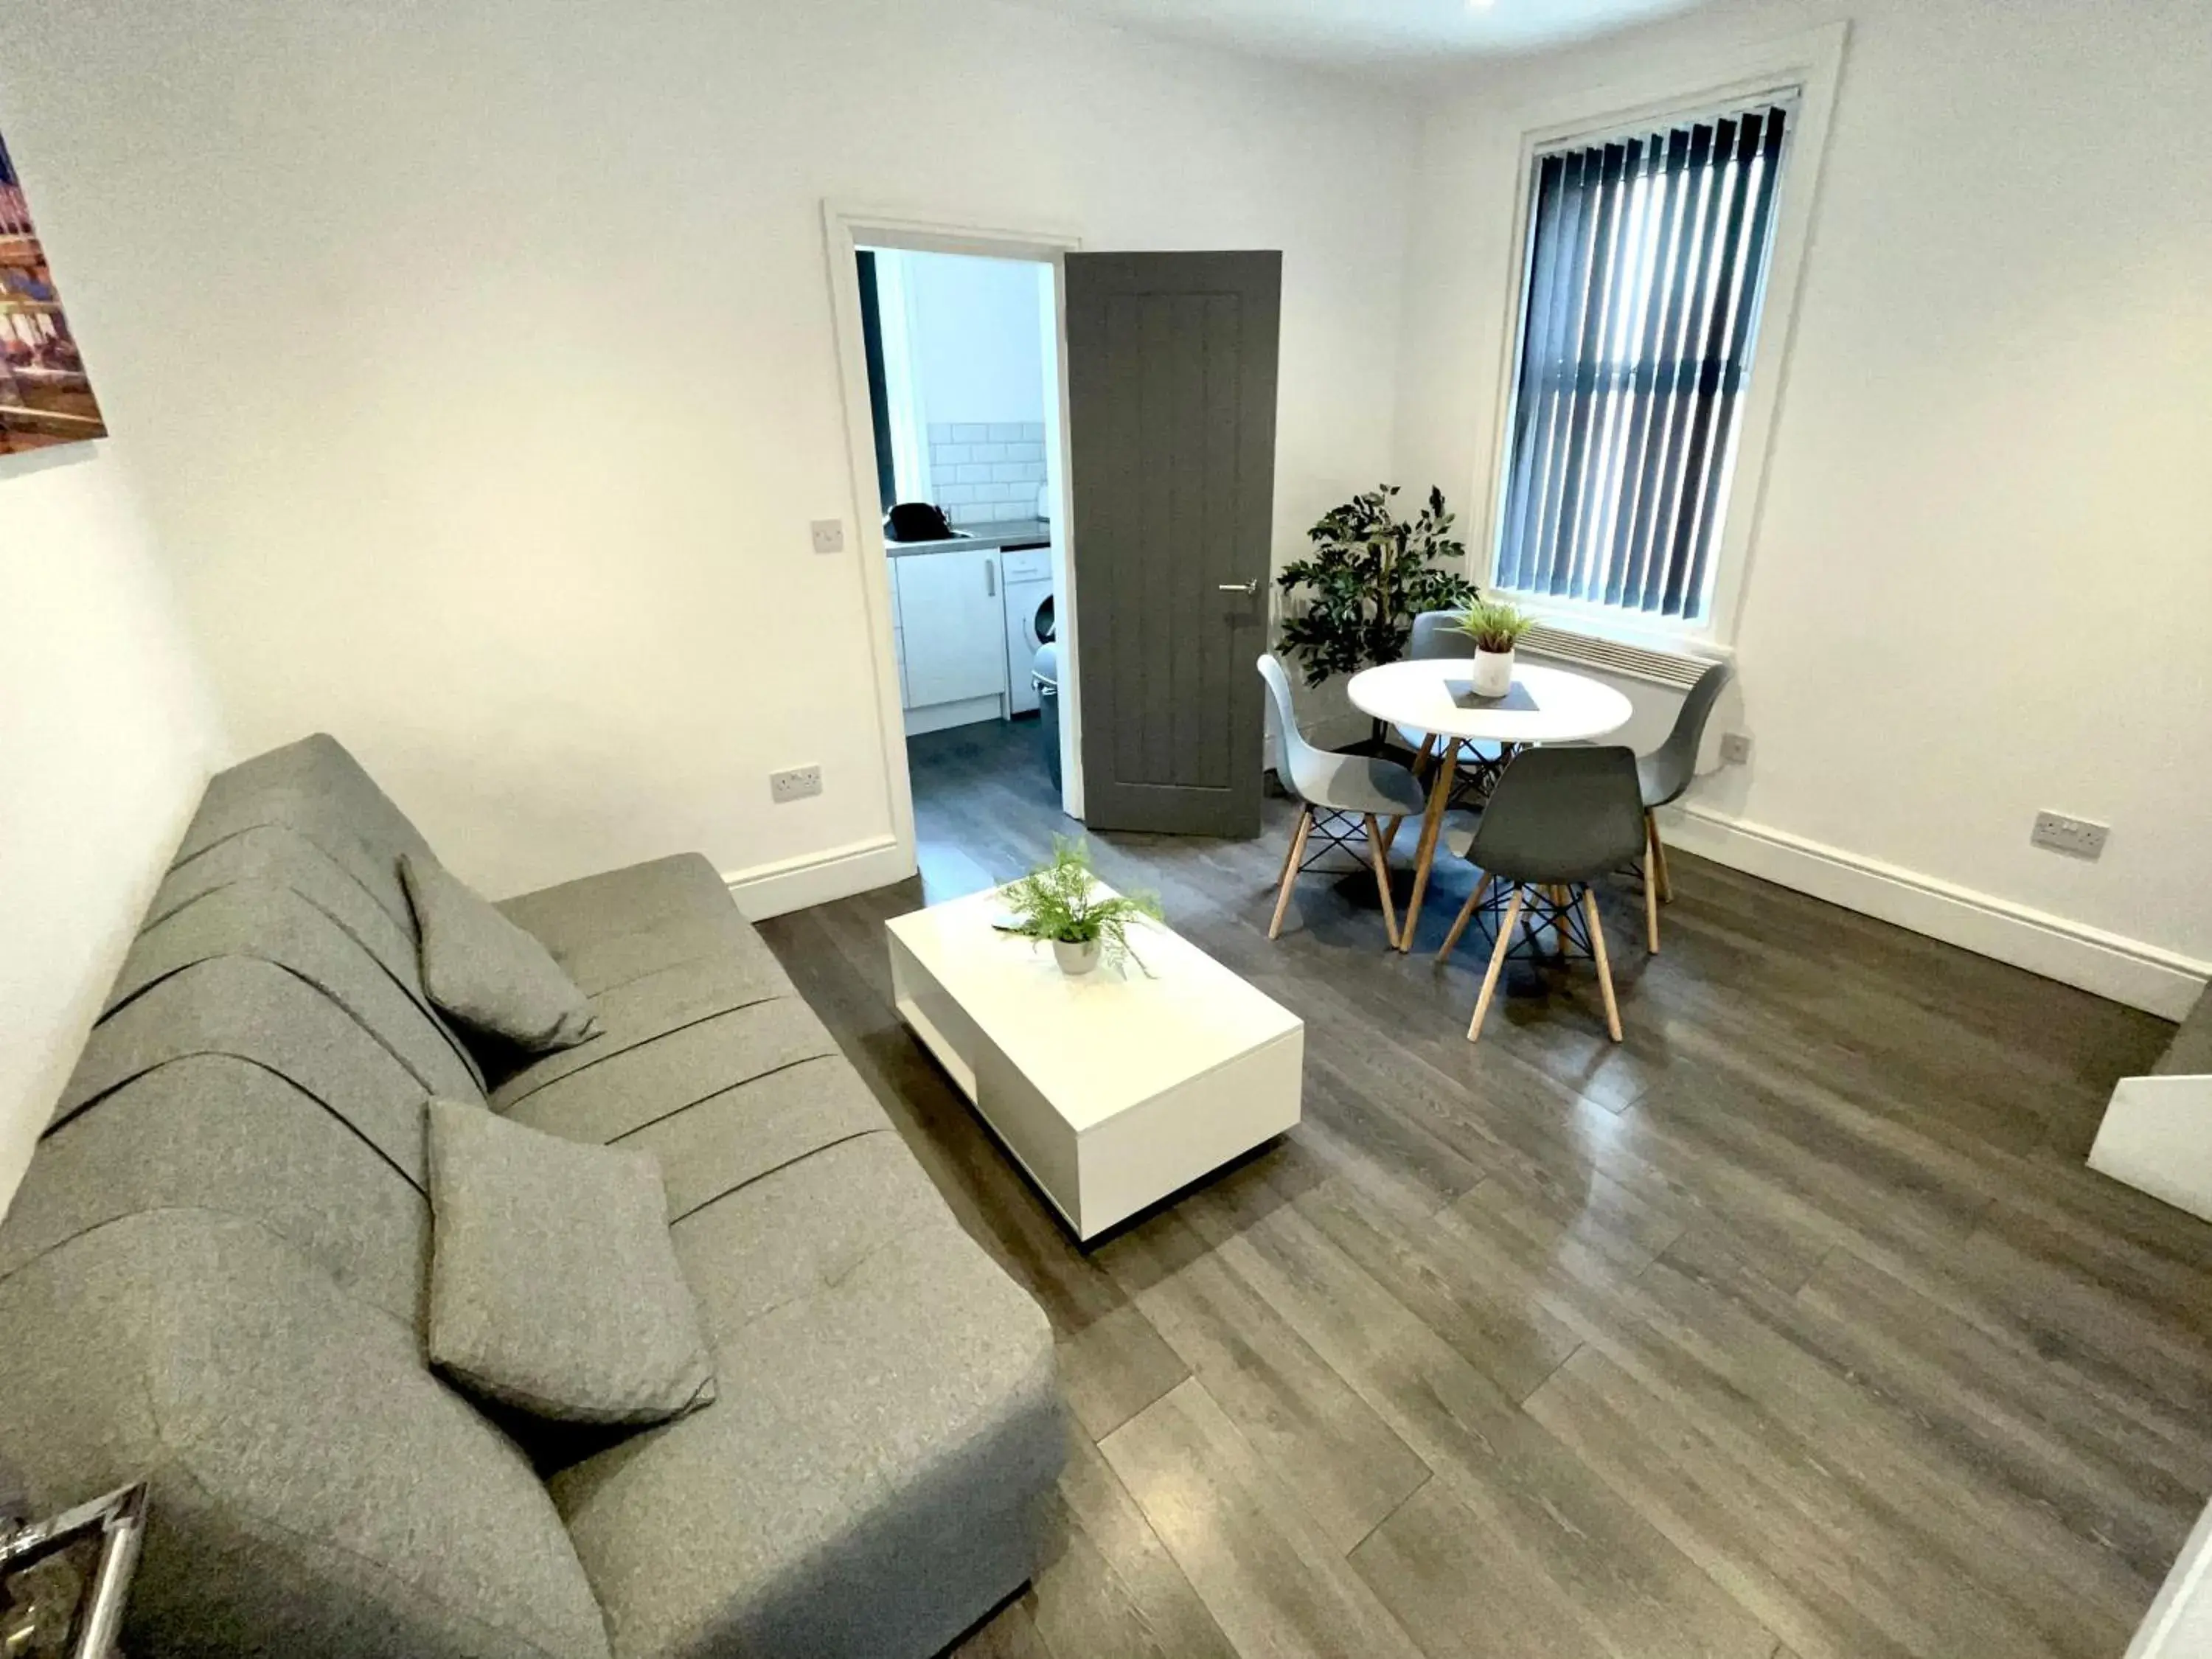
(1647, 260)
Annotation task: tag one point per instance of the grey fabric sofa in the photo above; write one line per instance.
(212, 1277)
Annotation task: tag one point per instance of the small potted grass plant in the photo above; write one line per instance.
(1061, 902)
(1495, 629)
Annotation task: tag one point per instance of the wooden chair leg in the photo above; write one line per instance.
(1290, 871)
(1496, 965)
(1560, 899)
(1426, 755)
(1381, 881)
(1466, 911)
(1659, 857)
(1604, 968)
(1651, 890)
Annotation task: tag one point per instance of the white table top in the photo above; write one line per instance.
(1097, 1044)
(1569, 707)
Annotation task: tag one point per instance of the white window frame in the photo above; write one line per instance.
(1803, 70)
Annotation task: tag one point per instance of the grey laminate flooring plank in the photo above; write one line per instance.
(1793, 1324)
(1521, 1495)
(1108, 1589)
(1337, 1459)
(1273, 1581)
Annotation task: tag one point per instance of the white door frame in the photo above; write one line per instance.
(847, 228)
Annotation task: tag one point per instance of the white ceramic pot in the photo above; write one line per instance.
(1074, 959)
(1493, 673)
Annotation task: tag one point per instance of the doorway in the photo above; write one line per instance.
(952, 340)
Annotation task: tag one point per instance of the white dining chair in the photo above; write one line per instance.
(1333, 790)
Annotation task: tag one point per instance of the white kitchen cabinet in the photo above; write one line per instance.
(952, 628)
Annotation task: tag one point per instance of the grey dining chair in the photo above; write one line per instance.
(1660, 777)
(1558, 819)
(1332, 789)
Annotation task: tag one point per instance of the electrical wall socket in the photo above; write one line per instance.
(795, 783)
(1735, 748)
(2077, 837)
(829, 535)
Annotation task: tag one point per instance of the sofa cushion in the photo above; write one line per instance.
(554, 1288)
(260, 1012)
(358, 890)
(631, 1080)
(742, 1132)
(708, 1057)
(315, 1490)
(614, 926)
(486, 972)
(217, 1132)
(887, 1420)
(276, 923)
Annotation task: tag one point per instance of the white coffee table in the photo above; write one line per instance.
(1111, 1091)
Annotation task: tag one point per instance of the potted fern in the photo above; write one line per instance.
(1062, 903)
(1495, 629)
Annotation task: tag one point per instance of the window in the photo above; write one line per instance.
(1647, 261)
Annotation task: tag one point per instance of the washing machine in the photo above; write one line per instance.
(1026, 578)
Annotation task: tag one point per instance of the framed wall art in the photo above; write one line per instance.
(46, 396)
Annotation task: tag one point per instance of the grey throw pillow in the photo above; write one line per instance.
(486, 972)
(554, 1287)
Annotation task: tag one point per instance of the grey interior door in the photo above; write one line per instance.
(1171, 441)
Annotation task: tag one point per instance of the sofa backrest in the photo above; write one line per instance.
(267, 1047)
(211, 1277)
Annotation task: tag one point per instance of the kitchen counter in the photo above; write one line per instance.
(981, 537)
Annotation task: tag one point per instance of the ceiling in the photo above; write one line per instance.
(1398, 35)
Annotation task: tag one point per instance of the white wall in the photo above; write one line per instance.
(483, 356)
(107, 733)
(1982, 577)
(976, 342)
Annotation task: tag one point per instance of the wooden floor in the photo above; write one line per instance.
(1792, 1326)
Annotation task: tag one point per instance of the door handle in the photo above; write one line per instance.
(1245, 588)
(990, 579)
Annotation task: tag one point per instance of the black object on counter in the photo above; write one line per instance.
(916, 521)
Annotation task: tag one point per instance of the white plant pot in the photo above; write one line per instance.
(1493, 673)
(1075, 959)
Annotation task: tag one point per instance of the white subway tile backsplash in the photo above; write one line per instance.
(985, 472)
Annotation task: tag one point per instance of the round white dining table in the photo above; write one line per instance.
(1436, 696)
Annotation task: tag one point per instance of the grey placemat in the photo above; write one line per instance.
(1517, 700)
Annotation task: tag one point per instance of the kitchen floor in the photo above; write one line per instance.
(1792, 1326)
(972, 785)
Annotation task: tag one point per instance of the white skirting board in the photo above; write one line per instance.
(2127, 970)
(2157, 1138)
(793, 883)
(2179, 1623)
